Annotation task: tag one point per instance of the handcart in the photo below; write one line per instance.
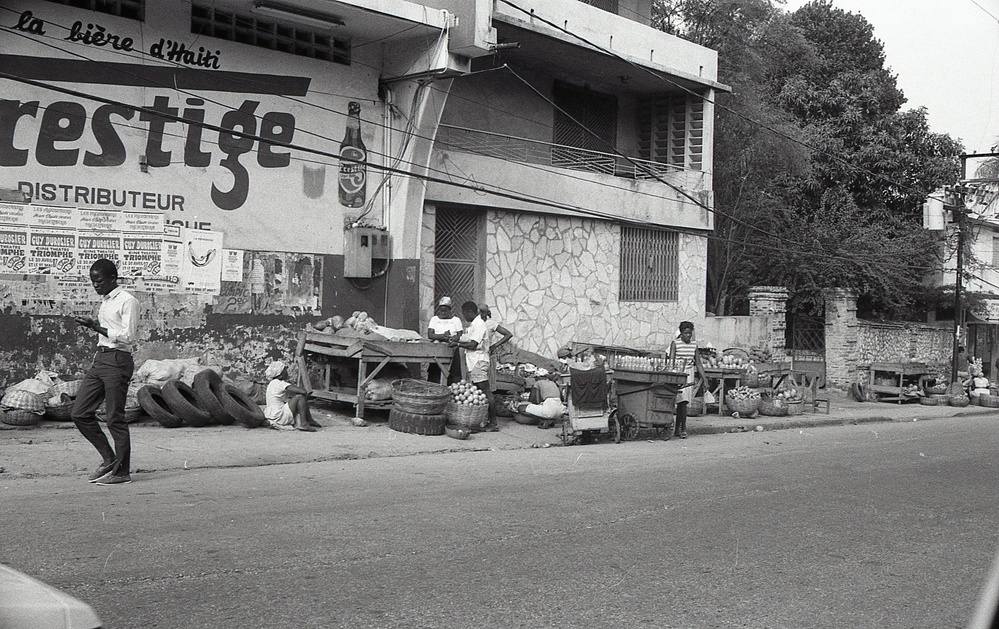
(591, 414)
(646, 400)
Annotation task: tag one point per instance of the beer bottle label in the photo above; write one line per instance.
(352, 173)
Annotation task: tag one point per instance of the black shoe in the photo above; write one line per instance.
(102, 470)
(115, 479)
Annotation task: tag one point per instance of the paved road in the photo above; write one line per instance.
(885, 525)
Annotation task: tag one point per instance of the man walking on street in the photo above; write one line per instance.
(108, 378)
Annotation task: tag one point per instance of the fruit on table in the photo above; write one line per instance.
(743, 393)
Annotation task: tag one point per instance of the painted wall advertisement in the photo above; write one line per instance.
(151, 256)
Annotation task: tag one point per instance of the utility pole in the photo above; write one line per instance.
(961, 211)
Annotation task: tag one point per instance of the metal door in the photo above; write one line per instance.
(459, 256)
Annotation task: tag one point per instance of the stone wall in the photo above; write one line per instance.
(552, 280)
(853, 344)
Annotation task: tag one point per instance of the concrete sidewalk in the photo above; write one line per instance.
(57, 449)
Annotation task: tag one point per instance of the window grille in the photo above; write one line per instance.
(671, 130)
(132, 9)
(995, 251)
(456, 255)
(246, 29)
(583, 119)
(650, 264)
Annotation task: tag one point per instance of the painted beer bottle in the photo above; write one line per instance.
(353, 158)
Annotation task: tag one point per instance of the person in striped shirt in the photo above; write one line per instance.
(683, 353)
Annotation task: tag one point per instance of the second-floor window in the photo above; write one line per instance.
(671, 130)
(585, 120)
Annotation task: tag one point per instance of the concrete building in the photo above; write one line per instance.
(550, 157)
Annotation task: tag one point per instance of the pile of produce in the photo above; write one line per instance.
(788, 395)
(759, 354)
(359, 321)
(468, 394)
(742, 393)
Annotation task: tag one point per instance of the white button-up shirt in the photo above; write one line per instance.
(119, 313)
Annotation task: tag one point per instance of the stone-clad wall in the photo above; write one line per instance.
(905, 342)
(552, 280)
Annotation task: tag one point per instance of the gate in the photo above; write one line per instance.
(805, 343)
(457, 256)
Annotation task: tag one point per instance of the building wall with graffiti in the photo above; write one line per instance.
(219, 175)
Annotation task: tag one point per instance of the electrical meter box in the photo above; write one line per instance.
(361, 246)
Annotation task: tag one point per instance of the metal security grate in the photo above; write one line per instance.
(132, 9)
(583, 120)
(650, 266)
(247, 29)
(456, 255)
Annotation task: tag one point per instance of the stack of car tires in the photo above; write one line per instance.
(209, 401)
(418, 407)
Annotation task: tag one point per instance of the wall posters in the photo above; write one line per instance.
(65, 241)
(13, 238)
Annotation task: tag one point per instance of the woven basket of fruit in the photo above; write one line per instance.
(467, 415)
(990, 401)
(928, 400)
(959, 400)
(742, 400)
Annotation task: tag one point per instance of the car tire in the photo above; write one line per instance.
(152, 401)
(242, 407)
(183, 401)
(208, 388)
(415, 423)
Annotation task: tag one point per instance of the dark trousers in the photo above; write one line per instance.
(681, 418)
(107, 381)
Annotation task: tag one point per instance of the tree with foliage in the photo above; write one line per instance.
(819, 174)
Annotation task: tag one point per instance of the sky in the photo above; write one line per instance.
(945, 55)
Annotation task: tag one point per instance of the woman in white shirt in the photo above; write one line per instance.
(444, 326)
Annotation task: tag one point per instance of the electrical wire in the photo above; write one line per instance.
(479, 189)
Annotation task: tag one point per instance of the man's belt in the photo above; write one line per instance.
(105, 348)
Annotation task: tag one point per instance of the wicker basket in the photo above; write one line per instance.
(772, 407)
(419, 397)
(751, 379)
(18, 417)
(527, 420)
(937, 389)
(959, 400)
(989, 401)
(69, 387)
(695, 407)
(795, 407)
(928, 400)
(473, 417)
(743, 406)
(59, 412)
(942, 399)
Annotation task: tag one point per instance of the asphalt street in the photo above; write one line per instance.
(878, 525)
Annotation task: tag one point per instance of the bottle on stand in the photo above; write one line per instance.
(353, 160)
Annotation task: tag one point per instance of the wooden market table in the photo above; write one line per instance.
(322, 350)
(718, 382)
(900, 373)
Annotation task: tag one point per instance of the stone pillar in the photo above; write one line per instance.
(772, 301)
(842, 337)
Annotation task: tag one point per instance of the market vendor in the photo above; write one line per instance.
(287, 405)
(475, 342)
(498, 336)
(683, 353)
(444, 327)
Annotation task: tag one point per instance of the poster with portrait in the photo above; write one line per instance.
(202, 261)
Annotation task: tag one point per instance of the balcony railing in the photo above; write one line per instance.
(535, 152)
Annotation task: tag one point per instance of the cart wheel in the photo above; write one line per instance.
(629, 426)
(614, 426)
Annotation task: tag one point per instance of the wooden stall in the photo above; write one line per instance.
(324, 351)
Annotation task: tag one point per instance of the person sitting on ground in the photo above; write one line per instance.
(979, 383)
(287, 405)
